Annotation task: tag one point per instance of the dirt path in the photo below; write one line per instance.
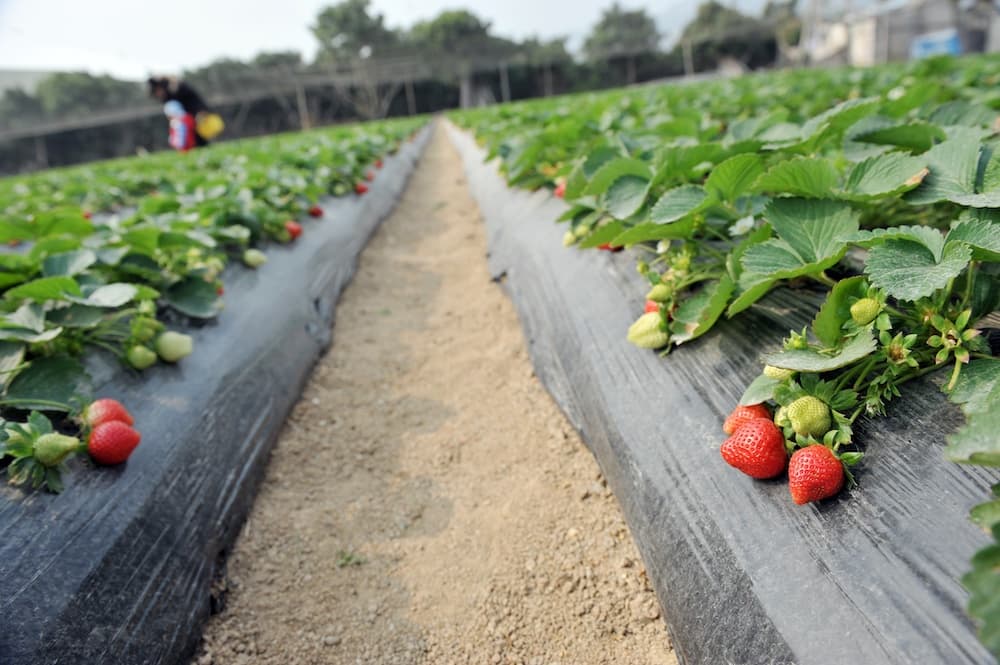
(427, 501)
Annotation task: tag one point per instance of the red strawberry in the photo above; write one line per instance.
(106, 410)
(814, 473)
(315, 211)
(219, 290)
(560, 190)
(378, 163)
(608, 247)
(360, 188)
(653, 306)
(112, 443)
(87, 214)
(294, 229)
(757, 448)
(743, 414)
(370, 176)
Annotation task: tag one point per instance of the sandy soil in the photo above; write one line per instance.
(427, 501)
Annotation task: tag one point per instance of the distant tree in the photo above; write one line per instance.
(277, 60)
(622, 32)
(225, 75)
(78, 93)
(18, 107)
(719, 32)
(621, 35)
(787, 27)
(457, 32)
(552, 51)
(346, 28)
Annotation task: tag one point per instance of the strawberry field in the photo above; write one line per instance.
(839, 226)
(104, 259)
(163, 310)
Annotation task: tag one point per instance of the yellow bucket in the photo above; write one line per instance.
(209, 125)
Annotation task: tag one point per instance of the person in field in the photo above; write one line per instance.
(169, 89)
(183, 136)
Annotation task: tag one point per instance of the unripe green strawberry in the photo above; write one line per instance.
(865, 310)
(781, 417)
(568, 238)
(52, 449)
(778, 373)
(810, 416)
(172, 346)
(645, 332)
(254, 258)
(144, 329)
(659, 293)
(581, 231)
(140, 357)
(147, 307)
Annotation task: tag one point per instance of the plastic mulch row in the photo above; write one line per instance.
(744, 576)
(118, 568)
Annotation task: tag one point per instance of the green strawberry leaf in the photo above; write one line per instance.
(810, 360)
(890, 174)
(760, 390)
(810, 239)
(650, 231)
(734, 177)
(953, 168)
(194, 297)
(60, 221)
(109, 295)
(980, 233)
(836, 310)
(614, 169)
(978, 386)
(678, 203)
(908, 270)
(77, 316)
(750, 292)
(48, 384)
(914, 136)
(68, 263)
(602, 234)
(986, 515)
(697, 314)
(44, 289)
(11, 358)
(626, 195)
(977, 442)
(810, 177)
(28, 336)
(930, 238)
(30, 316)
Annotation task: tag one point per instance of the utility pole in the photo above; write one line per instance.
(688, 60)
(411, 98)
(303, 106)
(504, 82)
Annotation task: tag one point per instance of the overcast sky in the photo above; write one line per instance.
(133, 38)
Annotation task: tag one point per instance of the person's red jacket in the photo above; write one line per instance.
(182, 136)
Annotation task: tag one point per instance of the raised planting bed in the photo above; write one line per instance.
(118, 568)
(743, 574)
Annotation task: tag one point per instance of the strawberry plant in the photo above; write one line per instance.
(875, 192)
(101, 257)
